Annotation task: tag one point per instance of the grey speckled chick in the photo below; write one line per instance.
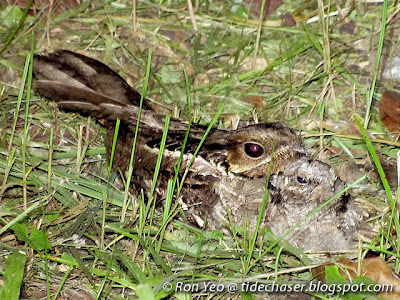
(297, 191)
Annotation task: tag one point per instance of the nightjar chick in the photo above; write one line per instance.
(225, 184)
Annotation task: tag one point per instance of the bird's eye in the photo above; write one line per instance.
(253, 150)
(301, 180)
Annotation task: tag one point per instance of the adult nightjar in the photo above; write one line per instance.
(226, 182)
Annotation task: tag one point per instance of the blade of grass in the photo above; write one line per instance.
(152, 201)
(105, 192)
(130, 169)
(114, 144)
(25, 133)
(189, 99)
(259, 30)
(21, 216)
(50, 159)
(260, 217)
(167, 217)
(221, 108)
(132, 267)
(392, 202)
(58, 292)
(19, 100)
(370, 94)
(158, 259)
(166, 212)
(159, 157)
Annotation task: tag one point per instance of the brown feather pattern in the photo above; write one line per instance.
(229, 174)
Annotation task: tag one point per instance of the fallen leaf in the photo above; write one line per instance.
(374, 268)
(389, 111)
(256, 101)
(288, 20)
(254, 7)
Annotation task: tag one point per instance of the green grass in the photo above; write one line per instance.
(56, 184)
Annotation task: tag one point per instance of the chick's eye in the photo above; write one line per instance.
(253, 150)
(301, 180)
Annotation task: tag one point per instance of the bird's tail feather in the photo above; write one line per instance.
(82, 84)
(77, 99)
(82, 73)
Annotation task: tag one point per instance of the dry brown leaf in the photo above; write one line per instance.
(288, 20)
(254, 7)
(389, 111)
(374, 268)
(256, 101)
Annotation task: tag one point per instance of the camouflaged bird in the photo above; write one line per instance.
(225, 184)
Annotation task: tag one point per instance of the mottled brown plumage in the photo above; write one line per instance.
(231, 170)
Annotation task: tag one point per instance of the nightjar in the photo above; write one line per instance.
(226, 183)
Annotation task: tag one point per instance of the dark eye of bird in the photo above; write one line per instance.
(301, 180)
(253, 150)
